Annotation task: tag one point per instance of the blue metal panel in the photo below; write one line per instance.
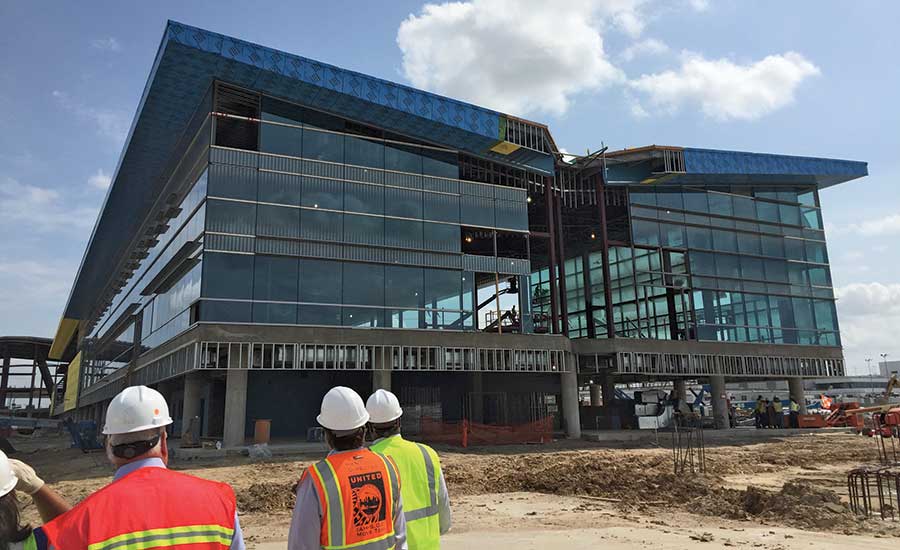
(762, 166)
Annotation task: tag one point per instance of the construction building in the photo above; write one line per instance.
(277, 225)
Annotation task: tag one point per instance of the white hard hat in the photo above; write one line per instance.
(8, 479)
(383, 407)
(342, 410)
(136, 408)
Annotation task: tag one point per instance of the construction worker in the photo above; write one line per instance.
(759, 412)
(795, 413)
(352, 498)
(146, 505)
(18, 476)
(425, 499)
(777, 412)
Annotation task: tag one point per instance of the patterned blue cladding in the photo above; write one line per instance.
(825, 171)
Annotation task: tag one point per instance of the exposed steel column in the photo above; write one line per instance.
(604, 248)
(551, 267)
(4, 379)
(561, 260)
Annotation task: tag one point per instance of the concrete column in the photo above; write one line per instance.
(235, 408)
(795, 387)
(476, 397)
(193, 393)
(381, 375)
(680, 388)
(610, 410)
(719, 405)
(596, 395)
(570, 409)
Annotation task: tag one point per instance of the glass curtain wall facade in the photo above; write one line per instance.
(730, 265)
(341, 224)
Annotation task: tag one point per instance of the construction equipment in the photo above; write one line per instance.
(844, 415)
(84, 435)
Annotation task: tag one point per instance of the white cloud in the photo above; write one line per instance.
(33, 208)
(725, 90)
(647, 47)
(106, 44)
(33, 292)
(110, 124)
(869, 316)
(518, 56)
(878, 227)
(699, 5)
(100, 180)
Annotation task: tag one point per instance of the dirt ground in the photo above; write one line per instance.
(787, 492)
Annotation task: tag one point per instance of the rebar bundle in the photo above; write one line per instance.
(688, 449)
(875, 490)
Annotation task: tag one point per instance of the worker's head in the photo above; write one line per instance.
(136, 421)
(10, 529)
(344, 417)
(775, 398)
(760, 398)
(384, 413)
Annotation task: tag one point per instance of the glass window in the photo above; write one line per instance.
(363, 229)
(227, 275)
(672, 235)
(275, 278)
(445, 208)
(360, 197)
(512, 215)
(696, 201)
(752, 268)
(744, 207)
(319, 225)
(284, 314)
(720, 204)
(815, 252)
(320, 282)
(826, 318)
(319, 315)
(724, 241)
(819, 276)
(702, 263)
(794, 249)
(402, 158)
(772, 246)
(797, 273)
(403, 203)
(277, 221)
(363, 317)
(728, 266)
(477, 211)
(319, 145)
(279, 139)
(231, 217)
(363, 152)
(645, 232)
(748, 243)
(811, 218)
(699, 237)
(768, 212)
(642, 197)
(443, 289)
(363, 284)
(789, 214)
(776, 271)
(403, 287)
(440, 163)
(803, 313)
(807, 197)
(279, 188)
(225, 312)
(322, 193)
(441, 237)
(232, 182)
(404, 318)
(670, 199)
(403, 233)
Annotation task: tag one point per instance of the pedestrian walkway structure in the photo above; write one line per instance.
(277, 225)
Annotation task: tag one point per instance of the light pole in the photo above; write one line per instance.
(869, 366)
(884, 360)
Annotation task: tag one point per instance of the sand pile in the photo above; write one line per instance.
(266, 497)
(797, 503)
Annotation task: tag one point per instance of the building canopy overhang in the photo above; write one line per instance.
(190, 59)
(667, 165)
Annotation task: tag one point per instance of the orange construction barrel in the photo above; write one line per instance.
(261, 431)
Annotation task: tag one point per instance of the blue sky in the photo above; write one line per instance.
(806, 78)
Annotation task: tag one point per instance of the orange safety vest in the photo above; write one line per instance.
(357, 492)
(148, 508)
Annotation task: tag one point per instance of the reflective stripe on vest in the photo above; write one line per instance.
(173, 536)
(342, 510)
(432, 508)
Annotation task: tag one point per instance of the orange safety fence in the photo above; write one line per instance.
(465, 432)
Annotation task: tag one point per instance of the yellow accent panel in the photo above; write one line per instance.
(504, 148)
(64, 333)
(72, 381)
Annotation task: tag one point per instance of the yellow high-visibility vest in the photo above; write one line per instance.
(795, 407)
(419, 469)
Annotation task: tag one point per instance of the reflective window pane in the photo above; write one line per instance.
(363, 229)
(361, 197)
(284, 314)
(320, 281)
(227, 275)
(403, 203)
(363, 284)
(404, 287)
(403, 233)
(443, 289)
(320, 145)
(277, 221)
(275, 278)
(319, 315)
(230, 217)
(322, 193)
